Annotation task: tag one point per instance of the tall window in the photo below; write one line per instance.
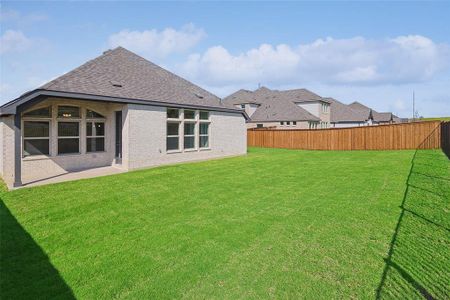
(204, 129)
(173, 129)
(68, 131)
(204, 135)
(173, 142)
(95, 136)
(36, 138)
(189, 135)
(95, 131)
(68, 137)
(36, 131)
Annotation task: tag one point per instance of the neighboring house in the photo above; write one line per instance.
(377, 117)
(117, 109)
(357, 114)
(342, 115)
(290, 109)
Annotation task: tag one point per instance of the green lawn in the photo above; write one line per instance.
(435, 119)
(272, 224)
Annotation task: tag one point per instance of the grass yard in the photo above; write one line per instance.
(435, 119)
(272, 224)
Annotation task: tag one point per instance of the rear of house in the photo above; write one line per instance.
(116, 110)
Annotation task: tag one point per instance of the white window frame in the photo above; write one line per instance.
(194, 122)
(68, 120)
(38, 119)
(94, 136)
(182, 121)
(93, 121)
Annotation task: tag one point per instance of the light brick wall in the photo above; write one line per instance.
(7, 148)
(145, 137)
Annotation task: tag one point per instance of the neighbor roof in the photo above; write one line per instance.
(341, 112)
(120, 73)
(377, 116)
(276, 105)
(278, 109)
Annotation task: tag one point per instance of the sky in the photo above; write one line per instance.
(377, 53)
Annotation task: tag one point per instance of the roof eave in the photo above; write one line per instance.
(11, 107)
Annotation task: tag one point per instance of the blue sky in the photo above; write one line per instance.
(373, 52)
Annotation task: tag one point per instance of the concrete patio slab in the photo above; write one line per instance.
(74, 175)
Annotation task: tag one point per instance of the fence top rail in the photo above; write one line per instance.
(350, 128)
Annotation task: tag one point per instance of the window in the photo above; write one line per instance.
(281, 123)
(173, 136)
(68, 137)
(204, 135)
(243, 106)
(188, 126)
(36, 138)
(288, 123)
(294, 123)
(95, 131)
(325, 107)
(189, 135)
(204, 115)
(68, 112)
(189, 114)
(173, 113)
(45, 112)
(259, 125)
(90, 114)
(95, 136)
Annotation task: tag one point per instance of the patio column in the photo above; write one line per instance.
(17, 149)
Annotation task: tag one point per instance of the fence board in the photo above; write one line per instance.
(426, 135)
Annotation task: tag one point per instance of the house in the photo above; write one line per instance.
(290, 109)
(377, 117)
(357, 114)
(342, 115)
(115, 110)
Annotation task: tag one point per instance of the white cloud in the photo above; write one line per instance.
(9, 15)
(14, 41)
(154, 43)
(404, 59)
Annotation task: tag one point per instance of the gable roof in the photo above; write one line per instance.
(341, 112)
(376, 116)
(121, 74)
(275, 105)
(358, 106)
(382, 116)
(279, 109)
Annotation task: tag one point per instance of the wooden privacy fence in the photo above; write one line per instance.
(426, 135)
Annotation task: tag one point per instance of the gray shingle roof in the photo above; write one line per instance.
(281, 110)
(123, 74)
(341, 112)
(377, 116)
(382, 117)
(275, 105)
